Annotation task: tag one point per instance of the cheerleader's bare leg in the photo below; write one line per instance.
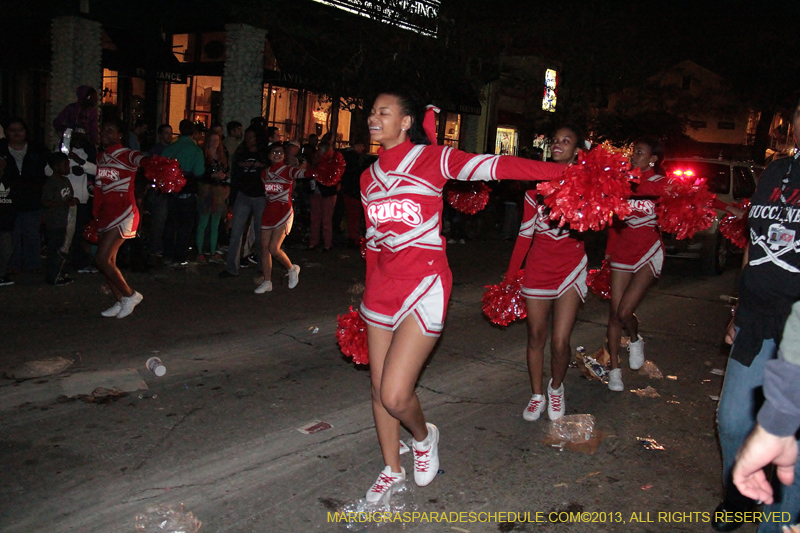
(275, 250)
(396, 360)
(565, 311)
(619, 283)
(106, 259)
(538, 318)
(630, 291)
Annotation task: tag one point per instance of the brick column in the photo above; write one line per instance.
(243, 77)
(77, 60)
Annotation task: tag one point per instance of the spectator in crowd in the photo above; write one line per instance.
(261, 124)
(769, 285)
(164, 139)
(81, 176)
(234, 138)
(309, 147)
(57, 198)
(273, 135)
(137, 133)
(248, 189)
(355, 163)
(323, 201)
(217, 128)
(182, 205)
(212, 193)
(25, 164)
(157, 201)
(7, 216)
(291, 149)
(80, 114)
(773, 440)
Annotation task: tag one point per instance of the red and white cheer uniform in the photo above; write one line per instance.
(555, 262)
(114, 200)
(407, 269)
(636, 241)
(278, 180)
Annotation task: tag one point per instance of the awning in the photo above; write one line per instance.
(142, 54)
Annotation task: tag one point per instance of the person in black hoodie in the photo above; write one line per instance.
(24, 167)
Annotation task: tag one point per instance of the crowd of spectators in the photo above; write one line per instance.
(214, 218)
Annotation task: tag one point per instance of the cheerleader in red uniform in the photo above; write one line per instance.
(408, 278)
(636, 254)
(554, 283)
(116, 213)
(276, 221)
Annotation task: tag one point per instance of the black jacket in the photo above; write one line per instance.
(26, 186)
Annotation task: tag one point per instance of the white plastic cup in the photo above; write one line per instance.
(155, 366)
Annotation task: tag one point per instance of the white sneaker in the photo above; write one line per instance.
(615, 380)
(535, 408)
(636, 353)
(555, 401)
(112, 311)
(294, 274)
(388, 483)
(128, 303)
(426, 457)
(266, 286)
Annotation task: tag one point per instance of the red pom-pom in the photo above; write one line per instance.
(165, 173)
(591, 191)
(90, 232)
(468, 197)
(734, 228)
(330, 168)
(685, 208)
(503, 303)
(599, 281)
(363, 246)
(351, 335)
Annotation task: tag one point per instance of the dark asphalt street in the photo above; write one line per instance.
(219, 431)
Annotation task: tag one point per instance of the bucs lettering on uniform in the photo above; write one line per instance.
(644, 207)
(396, 211)
(108, 173)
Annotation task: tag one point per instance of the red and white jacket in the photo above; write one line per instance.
(278, 181)
(402, 198)
(114, 197)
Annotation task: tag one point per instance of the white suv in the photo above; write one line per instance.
(730, 181)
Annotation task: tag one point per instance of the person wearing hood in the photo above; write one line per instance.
(80, 114)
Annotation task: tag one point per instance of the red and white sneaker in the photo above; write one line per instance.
(426, 457)
(535, 408)
(555, 401)
(387, 484)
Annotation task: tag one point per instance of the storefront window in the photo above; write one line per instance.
(183, 47)
(177, 102)
(206, 100)
(452, 129)
(110, 86)
(280, 107)
(506, 143)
